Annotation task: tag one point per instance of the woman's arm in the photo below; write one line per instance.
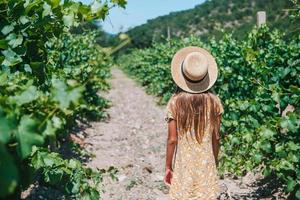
(171, 143)
(216, 139)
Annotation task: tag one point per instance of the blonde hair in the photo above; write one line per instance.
(196, 112)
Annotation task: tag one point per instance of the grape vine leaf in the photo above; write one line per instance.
(50, 129)
(14, 40)
(24, 19)
(121, 3)
(7, 29)
(47, 10)
(28, 136)
(96, 7)
(68, 19)
(298, 194)
(8, 173)
(11, 58)
(3, 44)
(63, 95)
(27, 96)
(6, 128)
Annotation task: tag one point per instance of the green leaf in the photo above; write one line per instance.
(280, 150)
(94, 194)
(293, 146)
(27, 68)
(290, 122)
(50, 130)
(266, 146)
(48, 161)
(298, 194)
(14, 40)
(68, 19)
(96, 6)
(11, 58)
(113, 172)
(286, 165)
(267, 133)
(275, 96)
(257, 158)
(28, 5)
(47, 10)
(54, 177)
(294, 157)
(7, 29)
(266, 172)
(27, 96)
(54, 3)
(3, 44)
(74, 164)
(28, 136)
(235, 140)
(75, 187)
(7, 127)
(8, 173)
(3, 79)
(295, 89)
(291, 184)
(63, 95)
(24, 19)
(121, 3)
(57, 122)
(38, 69)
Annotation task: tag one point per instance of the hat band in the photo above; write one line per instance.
(187, 78)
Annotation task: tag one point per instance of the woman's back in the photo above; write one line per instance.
(195, 173)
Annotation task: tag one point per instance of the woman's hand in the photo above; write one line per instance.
(168, 177)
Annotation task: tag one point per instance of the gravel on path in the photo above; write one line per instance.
(133, 140)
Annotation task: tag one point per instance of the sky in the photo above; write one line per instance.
(137, 12)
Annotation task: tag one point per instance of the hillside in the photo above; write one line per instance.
(207, 19)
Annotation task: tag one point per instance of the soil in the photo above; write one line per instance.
(132, 140)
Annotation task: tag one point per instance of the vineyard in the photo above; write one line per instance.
(260, 88)
(52, 79)
(49, 79)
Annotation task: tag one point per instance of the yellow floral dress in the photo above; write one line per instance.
(194, 173)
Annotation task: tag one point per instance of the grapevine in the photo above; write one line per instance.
(48, 78)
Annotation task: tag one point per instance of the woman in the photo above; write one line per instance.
(194, 117)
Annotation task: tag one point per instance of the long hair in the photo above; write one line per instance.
(196, 112)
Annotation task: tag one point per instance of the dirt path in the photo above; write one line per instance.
(133, 140)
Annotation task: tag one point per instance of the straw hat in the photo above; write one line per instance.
(194, 69)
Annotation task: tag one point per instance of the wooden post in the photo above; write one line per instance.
(261, 18)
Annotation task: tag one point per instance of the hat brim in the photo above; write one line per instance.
(183, 83)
